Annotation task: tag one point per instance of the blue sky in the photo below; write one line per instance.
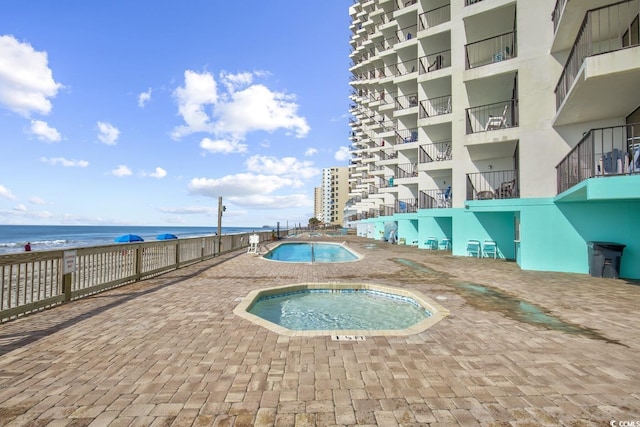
(145, 112)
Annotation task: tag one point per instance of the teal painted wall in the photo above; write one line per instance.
(555, 237)
(496, 226)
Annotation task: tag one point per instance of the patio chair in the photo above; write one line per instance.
(412, 138)
(497, 122)
(489, 249)
(431, 243)
(254, 241)
(474, 248)
(446, 154)
(436, 64)
(445, 244)
(507, 190)
(444, 198)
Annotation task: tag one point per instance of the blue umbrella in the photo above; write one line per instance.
(166, 236)
(127, 238)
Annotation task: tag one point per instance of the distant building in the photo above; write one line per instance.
(511, 121)
(330, 198)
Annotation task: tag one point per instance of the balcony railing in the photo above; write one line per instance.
(437, 151)
(407, 33)
(435, 61)
(601, 152)
(492, 116)
(470, 2)
(406, 206)
(406, 136)
(406, 67)
(603, 30)
(434, 17)
(435, 106)
(493, 185)
(385, 44)
(406, 101)
(436, 198)
(406, 170)
(488, 51)
(405, 3)
(557, 13)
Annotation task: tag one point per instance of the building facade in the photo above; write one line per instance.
(332, 195)
(507, 121)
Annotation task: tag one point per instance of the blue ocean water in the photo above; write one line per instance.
(47, 237)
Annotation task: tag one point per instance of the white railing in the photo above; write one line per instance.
(32, 281)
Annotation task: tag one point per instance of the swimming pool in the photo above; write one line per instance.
(338, 308)
(311, 252)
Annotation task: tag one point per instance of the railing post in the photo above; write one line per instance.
(139, 253)
(66, 286)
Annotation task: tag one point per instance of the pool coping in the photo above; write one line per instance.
(358, 255)
(437, 311)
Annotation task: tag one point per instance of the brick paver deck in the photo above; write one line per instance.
(170, 352)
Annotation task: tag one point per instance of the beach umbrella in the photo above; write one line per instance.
(127, 238)
(166, 236)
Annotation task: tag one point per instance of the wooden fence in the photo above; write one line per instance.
(32, 281)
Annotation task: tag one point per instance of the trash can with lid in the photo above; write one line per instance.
(604, 259)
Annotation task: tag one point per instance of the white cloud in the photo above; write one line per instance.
(259, 201)
(193, 210)
(44, 132)
(143, 98)
(240, 185)
(244, 107)
(158, 173)
(6, 193)
(107, 133)
(342, 154)
(257, 108)
(235, 81)
(26, 81)
(122, 170)
(20, 208)
(36, 201)
(64, 162)
(310, 152)
(286, 166)
(222, 146)
(199, 91)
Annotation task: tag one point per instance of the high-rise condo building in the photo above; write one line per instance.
(507, 128)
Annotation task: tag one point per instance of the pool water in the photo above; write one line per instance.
(342, 309)
(311, 252)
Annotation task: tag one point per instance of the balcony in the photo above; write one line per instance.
(435, 152)
(435, 61)
(491, 50)
(406, 136)
(601, 152)
(493, 185)
(499, 115)
(435, 106)
(436, 198)
(470, 2)
(602, 65)
(407, 33)
(405, 67)
(406, 206)
(434, 17)
(406, 101)
(406, 170)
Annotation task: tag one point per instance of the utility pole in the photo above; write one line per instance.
(220, 210)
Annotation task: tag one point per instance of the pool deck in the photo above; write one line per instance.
(170, 352)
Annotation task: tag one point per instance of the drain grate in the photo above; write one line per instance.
(348, 338)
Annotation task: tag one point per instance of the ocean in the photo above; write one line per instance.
(47, 237)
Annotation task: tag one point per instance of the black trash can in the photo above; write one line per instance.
(604, 259)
